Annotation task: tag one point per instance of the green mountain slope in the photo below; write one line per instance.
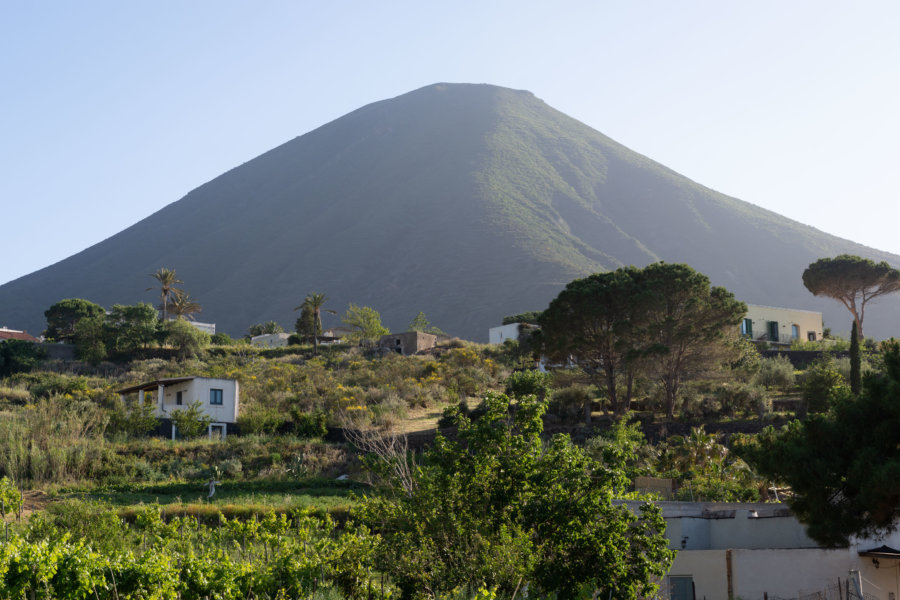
(468, 202)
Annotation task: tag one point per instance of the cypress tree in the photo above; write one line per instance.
(855, 360)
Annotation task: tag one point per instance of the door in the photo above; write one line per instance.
(681, 587)
(773, 331)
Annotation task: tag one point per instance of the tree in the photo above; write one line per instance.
(366, 324)
(664, 320)
(843, 466)
(90, 339)
(501, 509)
(182, 306)
(686, 324)
(167, 281)
(191, 422)
(264, 328)
(131, 327)
(594, 322)
(19, 356)
(62, 316)
(187, 339)
(855, 360)
(853, 281)
(420, 323)
(310, 322)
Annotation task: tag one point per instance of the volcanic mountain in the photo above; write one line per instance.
(467, 202)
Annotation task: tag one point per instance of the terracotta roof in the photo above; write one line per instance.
(12, 334)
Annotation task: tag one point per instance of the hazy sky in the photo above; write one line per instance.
(112, 110)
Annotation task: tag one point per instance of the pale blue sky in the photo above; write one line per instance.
(112, 110)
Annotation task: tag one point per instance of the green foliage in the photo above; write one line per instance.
(276, 556)
(851, 280)
(90, 339)
(188, 341)
(62, 317)
(500, 509)
(19, 356)
(310, 424)
(823, 385)
(842, 465)
(366, 324)
(420, 323)
(190, 421)
(529, 383)
(11, 500)
(264, 328)
(131, 327)
(222, 339)
(133, 421)
(167, 280)
(623, 448)
(706, 469)
(530, 317)
(663, 321)
(776, 372)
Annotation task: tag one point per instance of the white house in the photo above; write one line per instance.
(756, 551)
(270, 340)
(781, 325)
(219, 399)
(498, 335)
(209, 328)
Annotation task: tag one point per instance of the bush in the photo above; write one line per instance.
(823, 384)
(777, 372)
(311, 424)
(743, 398)
(19, 356)
(526, 383)
(191, 422)
(570, 402)
(135, 421)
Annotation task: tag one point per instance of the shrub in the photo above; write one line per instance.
(191, 422)
(19, 356)
(525, 383)
(259, 418)
(570, 402)
(743, 398)
(823, 384)
(777, 372)
(310, 424)
(134, 421)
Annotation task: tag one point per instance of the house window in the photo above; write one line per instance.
(773, 331)
(811, 336)
(178, 398)
(747, 328)
(795, 332)
(215, 396)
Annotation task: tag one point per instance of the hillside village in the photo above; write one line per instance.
(137, 418)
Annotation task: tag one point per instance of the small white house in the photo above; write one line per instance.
(218, 398)
(270, 340)
(498, 335)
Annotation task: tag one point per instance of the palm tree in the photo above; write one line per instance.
(167, 282)
(183, 305)
(312, 305)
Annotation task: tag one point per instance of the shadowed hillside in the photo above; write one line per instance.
(468, 202)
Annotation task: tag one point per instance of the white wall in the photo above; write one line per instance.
(197, 389)
(806, 321)
(498, 335)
